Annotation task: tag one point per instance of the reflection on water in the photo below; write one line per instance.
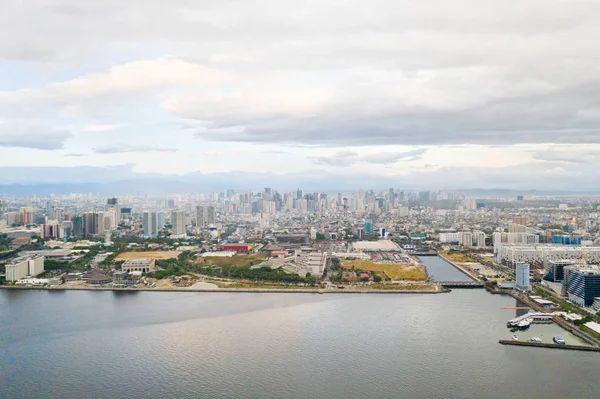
(440, 270)
(230, 345)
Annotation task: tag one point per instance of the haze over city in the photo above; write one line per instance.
(433, 94)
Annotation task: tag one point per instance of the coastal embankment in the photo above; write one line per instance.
(246, 290)
(458, 267)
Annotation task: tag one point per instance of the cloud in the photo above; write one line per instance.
(239, 151)
(347, 158)
(74, 155)
(123, 148)
(101, 128)
(32, 135)
(569, 154)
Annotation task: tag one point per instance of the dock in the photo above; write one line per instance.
(536, 318)
(548, 345)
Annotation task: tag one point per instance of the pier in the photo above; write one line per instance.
(536, 317)
(548, 345)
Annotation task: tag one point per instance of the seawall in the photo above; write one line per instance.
(246, 290)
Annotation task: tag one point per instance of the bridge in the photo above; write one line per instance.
(462, 284)
(423, 253)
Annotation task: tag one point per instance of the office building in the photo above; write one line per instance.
(583, 285)
(150, 224)
(205, 215)
(566, 240)
(555, 270)
(522, 277)
(23, 267)
(178, 223)
(93, 224)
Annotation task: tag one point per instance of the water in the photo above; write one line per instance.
(440, 270)
(101, 344)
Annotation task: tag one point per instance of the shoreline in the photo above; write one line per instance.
(459, 268)
(240, 290)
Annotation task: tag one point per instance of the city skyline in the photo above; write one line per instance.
(477, 95)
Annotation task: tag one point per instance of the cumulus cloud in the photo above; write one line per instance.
(347, 158)
(122, 148)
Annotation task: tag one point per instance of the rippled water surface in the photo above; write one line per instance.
(86, 344)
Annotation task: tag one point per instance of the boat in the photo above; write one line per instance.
(558, 340)
(524, 324)
(515, 338)
(537, 340)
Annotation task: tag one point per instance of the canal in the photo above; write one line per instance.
(440, 270)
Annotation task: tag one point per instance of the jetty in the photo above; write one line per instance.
(548, 345)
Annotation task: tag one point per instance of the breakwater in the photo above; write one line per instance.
(548, 345)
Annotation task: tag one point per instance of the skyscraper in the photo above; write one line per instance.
(205, 215)
(178, 222)
(150, 223)
(522, 277)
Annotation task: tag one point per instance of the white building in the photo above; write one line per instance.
(24, 267)
(511, 254)
(144, 265)
(449, 237)
(479, 239)
(522, 277)
(312, 262)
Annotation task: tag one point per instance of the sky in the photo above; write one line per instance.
(429, 94)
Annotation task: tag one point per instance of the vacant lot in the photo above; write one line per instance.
(156, 255)
(236, 260)
(457, 257)
(393, 271)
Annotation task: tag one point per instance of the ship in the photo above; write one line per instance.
(558, 340)
(524, 324)
(537, 340)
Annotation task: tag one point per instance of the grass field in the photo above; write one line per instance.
(235, 260)
(393, 271)
(459, 257)
(156, 255)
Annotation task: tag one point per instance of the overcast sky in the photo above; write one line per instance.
(428, 94)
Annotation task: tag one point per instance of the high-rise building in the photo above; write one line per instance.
(150, 224)
(93, 224)
(479, 239)
(77, 226)
(583, 285)
(205, 215)
(269, 207)
(12, 218)
(465, 238)
(178, 222)
(522, 220)
(522, 277)
(26, 215)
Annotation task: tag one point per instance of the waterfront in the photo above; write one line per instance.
(440, 270)
(141, 344)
